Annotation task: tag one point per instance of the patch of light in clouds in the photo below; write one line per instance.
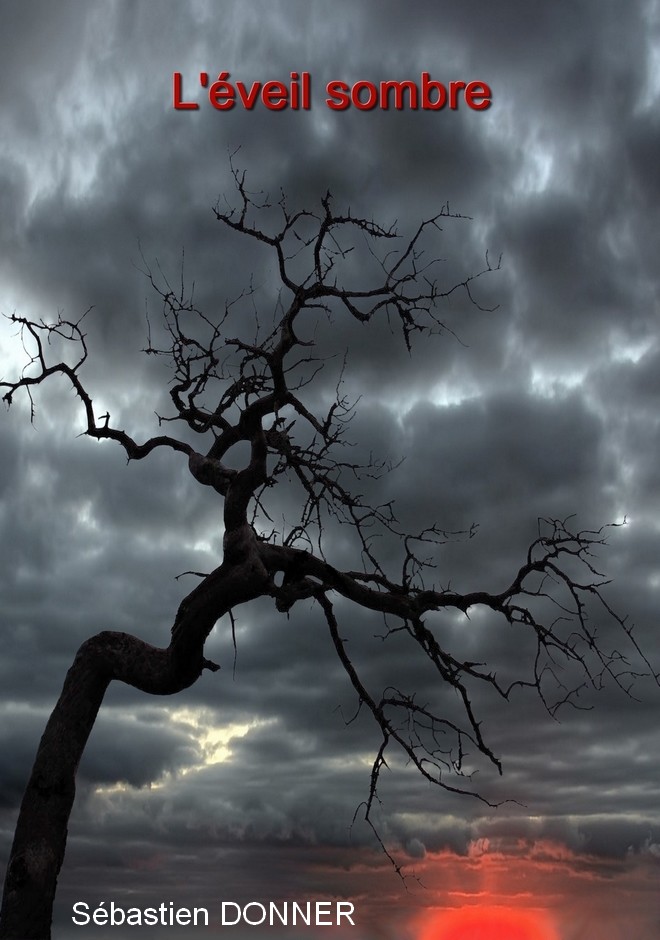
(214, 741)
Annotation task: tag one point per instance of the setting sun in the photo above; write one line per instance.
(489, 923)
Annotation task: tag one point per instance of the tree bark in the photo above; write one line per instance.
(41, 831)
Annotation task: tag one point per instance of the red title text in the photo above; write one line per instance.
(427, 94)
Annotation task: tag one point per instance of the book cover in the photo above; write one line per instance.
(329, 360)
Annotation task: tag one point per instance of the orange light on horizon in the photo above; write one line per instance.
(488, 923)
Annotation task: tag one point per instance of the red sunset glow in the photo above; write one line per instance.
(489, 923)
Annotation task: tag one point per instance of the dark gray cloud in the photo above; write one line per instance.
(544, 406)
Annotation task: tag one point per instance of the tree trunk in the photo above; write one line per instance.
(41, 831)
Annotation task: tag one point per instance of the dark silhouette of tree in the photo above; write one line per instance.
(230, 392)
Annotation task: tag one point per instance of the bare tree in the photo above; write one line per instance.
(258, 393)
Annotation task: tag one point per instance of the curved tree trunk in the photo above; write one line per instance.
(41, 832)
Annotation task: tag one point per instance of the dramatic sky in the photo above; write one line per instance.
(244, 787)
